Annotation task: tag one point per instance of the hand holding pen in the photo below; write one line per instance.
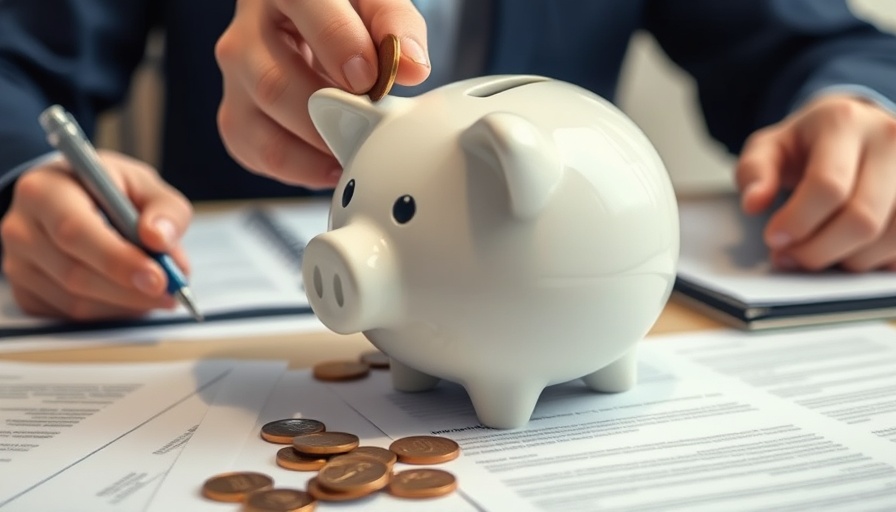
(62, 257)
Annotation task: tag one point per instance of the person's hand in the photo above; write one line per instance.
(276, 53)
(64, 260)
(838, 155)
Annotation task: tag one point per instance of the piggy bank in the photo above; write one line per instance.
(505, 233)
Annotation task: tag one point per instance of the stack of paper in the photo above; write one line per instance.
(718, 421)
(725, 271)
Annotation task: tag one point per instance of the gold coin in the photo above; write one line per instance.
(340, 370)
(325, 443)
(375, 359)
(282, 431)
(389, 54)
(422, 483)
(280, 500)
(383, 455)
(354, 474)
(322, 494)
(425, 449)
(234, 487)
(289, 458)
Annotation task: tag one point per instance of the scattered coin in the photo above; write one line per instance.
(375, 359)
(322, 494)
(289, 458)
(422, 483)
(340, 370)
(282, 431)
(425, 449)
(354, 474)
(389, 54)
(383, 455)
(280, 500)
(234, 487)
(325, 443)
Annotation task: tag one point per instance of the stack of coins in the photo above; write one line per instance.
(345, 470)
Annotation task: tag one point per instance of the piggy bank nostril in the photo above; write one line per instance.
(337, 290)
(318, 282)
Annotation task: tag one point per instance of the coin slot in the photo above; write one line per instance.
(502, 85)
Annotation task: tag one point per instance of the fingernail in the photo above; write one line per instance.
(166, 228)
(358, 74)
(779, 239)
(414, 51)
(146, 281)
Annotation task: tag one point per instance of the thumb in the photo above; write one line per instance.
(759, 170)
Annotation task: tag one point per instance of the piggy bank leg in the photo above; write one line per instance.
(405, 378)
(620, 375)
(504, 404)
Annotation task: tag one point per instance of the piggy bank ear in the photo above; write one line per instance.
(528, 163)
(344, 120)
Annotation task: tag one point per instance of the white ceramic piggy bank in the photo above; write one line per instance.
(505, 233)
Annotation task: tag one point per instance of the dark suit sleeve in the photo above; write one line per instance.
(78, 53)
(756, 60)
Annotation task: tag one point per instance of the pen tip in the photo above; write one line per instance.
(186, 298)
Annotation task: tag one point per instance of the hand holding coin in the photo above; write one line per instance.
(274, 55)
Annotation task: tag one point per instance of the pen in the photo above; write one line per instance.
(64, 133)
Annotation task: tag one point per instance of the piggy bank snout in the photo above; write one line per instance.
(350, 279)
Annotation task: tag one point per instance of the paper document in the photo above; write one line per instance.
(694, 446)
(845, 374)
(123, 472)
(54, 418)
(718, 421)
(724, 267)
(245, 263)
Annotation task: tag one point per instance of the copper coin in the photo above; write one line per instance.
(282, 431)
(375, 359)
(280, 500)
(354, 474)
(289, 458)
(389, 54)
(422, 483)
(234, 487)
(425, 449)
(383, 455)
(322, 494)
(340, 370)
(325, 443)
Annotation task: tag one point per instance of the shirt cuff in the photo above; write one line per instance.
(861, 91)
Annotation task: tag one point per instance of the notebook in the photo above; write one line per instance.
(724, 271)
(245, 264)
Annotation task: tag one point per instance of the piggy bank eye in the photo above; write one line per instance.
(404, 209)
(348, 193)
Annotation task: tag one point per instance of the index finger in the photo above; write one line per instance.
(828, 181)
(72, 222)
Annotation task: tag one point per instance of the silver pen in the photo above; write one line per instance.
(64, 133)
